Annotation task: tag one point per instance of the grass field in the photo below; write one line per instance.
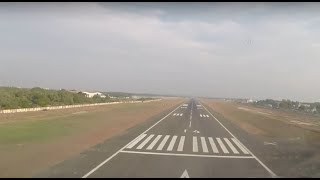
(33, 141)
(266, 124)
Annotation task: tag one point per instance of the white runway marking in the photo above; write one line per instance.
(189, 155)
(181, 143)
(200, 115)
(154, 142)
(185, 130)
(185, 174)
(195, 144)
(136, 141)
(181, 114)
(113, 155)
(191, 114)
(224, 149)
(173, 140)
(213, 145)
(145, 142)
(255, 157)
(270, 143)
(204, 145)
(207, 115)
(234, 150)
(239, 146)
(163, 142)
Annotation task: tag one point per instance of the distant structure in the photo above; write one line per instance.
(136, 97)
(90, 95)
(251, 101)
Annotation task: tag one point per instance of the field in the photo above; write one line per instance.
(269, 124)
(287, 142)
(31, 142)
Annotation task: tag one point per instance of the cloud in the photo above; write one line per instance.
(257, 53)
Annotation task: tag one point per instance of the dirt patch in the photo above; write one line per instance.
(28, 158)
(253, 111)
(251, 129)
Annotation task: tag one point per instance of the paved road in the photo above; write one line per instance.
(186, 142)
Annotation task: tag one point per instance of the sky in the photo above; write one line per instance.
(229, 50)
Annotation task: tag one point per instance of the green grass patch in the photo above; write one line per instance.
(32, 131)
(54, 125)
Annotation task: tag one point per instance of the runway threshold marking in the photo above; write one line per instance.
(181, 143)
(173, 140)
(227, 144)
(154, 142)
(195, 144)
(272, 174)
(136, 141)
(163, 142)
(187, 155)
(109, 158)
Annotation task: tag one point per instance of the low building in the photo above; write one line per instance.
(90, 95)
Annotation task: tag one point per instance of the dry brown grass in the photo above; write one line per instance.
(26, 158)
(266, 123)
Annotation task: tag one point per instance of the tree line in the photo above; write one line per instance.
(293, 105)
(13, 98)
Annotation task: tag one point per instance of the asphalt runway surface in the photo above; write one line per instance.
(188, 141)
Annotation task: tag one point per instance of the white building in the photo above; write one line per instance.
(249, 101)
(90, 95)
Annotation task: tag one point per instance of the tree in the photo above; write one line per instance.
(302, 108)
(40, 99)
(24, 102)
(65, 97)
(317, 106)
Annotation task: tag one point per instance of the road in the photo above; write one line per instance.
(189, 141)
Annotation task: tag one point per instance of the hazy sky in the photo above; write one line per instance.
(245, 50)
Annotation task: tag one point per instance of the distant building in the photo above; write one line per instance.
(249, 101)
(305, 105)
(136, 97)
(314, 110)
(90, 95)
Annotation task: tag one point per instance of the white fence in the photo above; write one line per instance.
(66, 107)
